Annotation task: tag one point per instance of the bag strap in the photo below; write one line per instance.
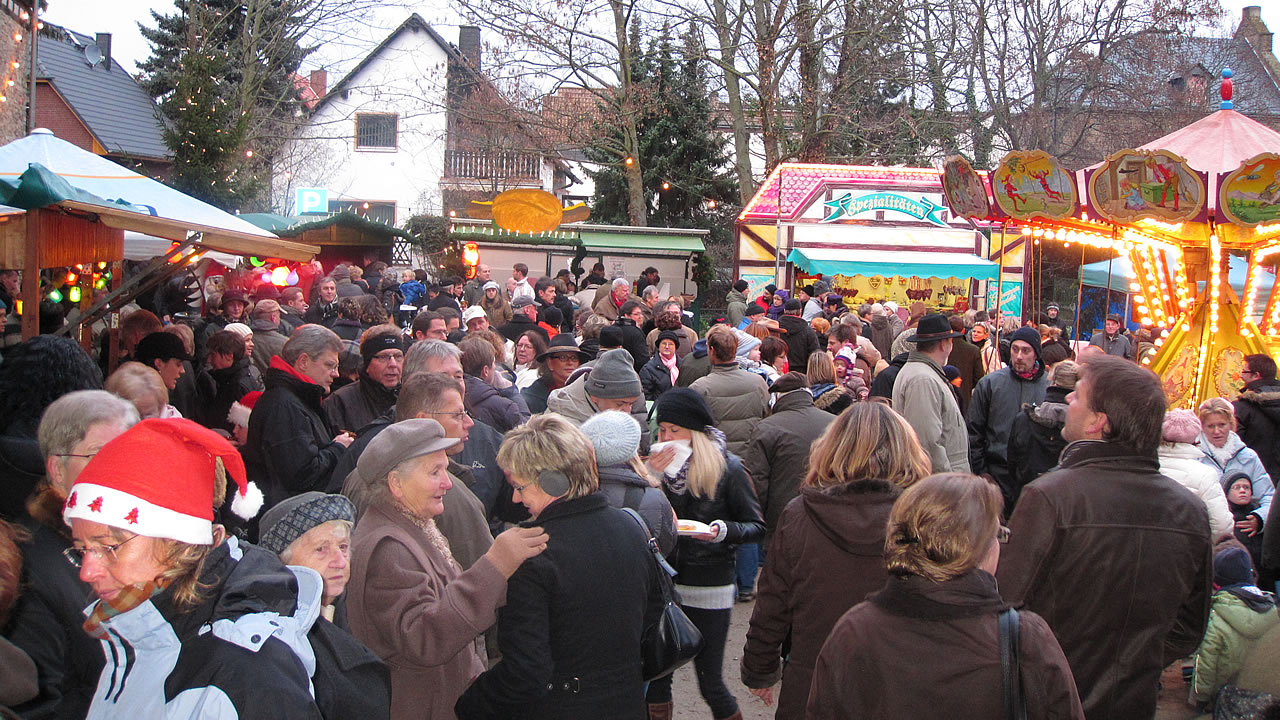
(632, 497)
(653, 544)
(1015, 707)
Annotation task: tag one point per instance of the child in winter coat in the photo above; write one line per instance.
(1241, 613)
(1240, 500)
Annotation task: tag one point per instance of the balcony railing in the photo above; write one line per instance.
(482, 165)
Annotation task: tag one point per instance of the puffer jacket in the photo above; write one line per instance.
(993, 406)
(655, 378)
(801, 340)
(486, 404)
(777, 456)
(738, 400)
(922, 395)
(1241, 614)
(1240, 460)
(1181, 461)
(711, 564)
(826, 555)
(242, 653)
(736, 308)
(623, 488)
(1035, 441)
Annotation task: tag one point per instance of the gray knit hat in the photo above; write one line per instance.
(292, 518)
(615, 435)
(614, 376)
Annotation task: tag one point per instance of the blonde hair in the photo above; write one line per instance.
(942, 526)
(706, 465)
(551, 442)
(1218, 406)
(134, 382)
(185, 334)
(821, 368)
(820, 324)
(869, 440)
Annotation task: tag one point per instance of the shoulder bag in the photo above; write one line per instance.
(673, 640)
(1015, 706)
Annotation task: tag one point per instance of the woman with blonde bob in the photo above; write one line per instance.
(826, 552)
(1227, 454)
(570, 630)
(941, 548)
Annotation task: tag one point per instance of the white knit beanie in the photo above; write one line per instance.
(615, 435)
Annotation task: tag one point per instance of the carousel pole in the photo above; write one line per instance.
(1079, 294)
(1000, 285)
(1110, 266)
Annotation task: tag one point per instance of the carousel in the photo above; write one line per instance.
(1177, 209)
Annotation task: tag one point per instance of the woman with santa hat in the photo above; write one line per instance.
(192, 623)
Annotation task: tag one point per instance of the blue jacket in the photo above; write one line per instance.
(1241, 460)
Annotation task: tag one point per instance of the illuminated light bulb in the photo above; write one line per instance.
(453, 213)
(1186, 327)
(56, 296)
(629, 161)
(666, 186)
(71, 278)
(17, 37)
(16, 64)
(1066, 244)
(74, 294)
(711, 204)
(1026, 230)
(1061, 234)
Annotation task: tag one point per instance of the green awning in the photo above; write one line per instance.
(643, 241)
(840, 261)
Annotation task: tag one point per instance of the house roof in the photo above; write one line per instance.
(414, 21)
(116, 110)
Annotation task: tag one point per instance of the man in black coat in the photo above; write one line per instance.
(967, 358)
(1258, 425)
(630, 318)
(801, 340)
(524, 314)
(291, 447)
(547, 297)
(882, 386)
(227, 378)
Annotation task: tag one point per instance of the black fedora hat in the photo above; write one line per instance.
(933, 327)
(562, 343)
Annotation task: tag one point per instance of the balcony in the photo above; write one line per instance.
(482, 165)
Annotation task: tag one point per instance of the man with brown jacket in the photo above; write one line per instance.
(1116, 557)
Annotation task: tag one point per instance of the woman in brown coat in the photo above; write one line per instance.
(928, 644)
(408, 599)
(827, 552)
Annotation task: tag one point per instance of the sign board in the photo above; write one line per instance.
(853, 204)
(1010, 297)
(311, 200)
(756, 283)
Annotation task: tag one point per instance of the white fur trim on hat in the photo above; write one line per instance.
(239, 414)
(118, 509)
(247, 502)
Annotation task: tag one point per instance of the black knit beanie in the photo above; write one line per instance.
(684, 407)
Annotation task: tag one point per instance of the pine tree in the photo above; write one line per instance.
(222, 71)
(687, 172)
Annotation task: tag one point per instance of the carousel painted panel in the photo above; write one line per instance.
(1250, 194)
(964, 189)
(1134, 184)
(1031, 183)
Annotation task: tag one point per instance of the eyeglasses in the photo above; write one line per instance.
(520, 488)
(455, 415)
(86, 456)
(1248, 372)
(1003, 534)
(104, 553)
(389, 356)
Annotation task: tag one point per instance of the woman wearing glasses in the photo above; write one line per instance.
(941, 602)
(409, 600)
(191, 622)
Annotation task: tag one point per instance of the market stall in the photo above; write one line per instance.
(1178, 209)
(880, 233)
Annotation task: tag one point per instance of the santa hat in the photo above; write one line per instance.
(158, 479)
(241, 409)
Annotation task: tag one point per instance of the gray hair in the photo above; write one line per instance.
(416, 359)
(286, 555)
(620, 282)
(67, 420)
(312, 341)
(649, 291)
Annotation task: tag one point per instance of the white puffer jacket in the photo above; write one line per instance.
(1181, 462)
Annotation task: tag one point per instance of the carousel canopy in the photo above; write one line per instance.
(842, 261)
(1219, 142)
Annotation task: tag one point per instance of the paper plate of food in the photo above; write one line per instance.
(692, 527)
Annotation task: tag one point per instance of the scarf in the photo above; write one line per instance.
(679, 484)
(1222, 455)
(673, 366)
(434, 536)
(129, 597)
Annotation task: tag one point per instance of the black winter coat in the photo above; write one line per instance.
(485, 404)
(633, 341)
(21, 467)
(777, 456)
(622, 487)
(321, 314)
(348, 329)
(290, 448)
(218, 390)
(1035, 441)
(46, 625)
(350, 681)
(520, 323)
(570, 630)
(353, 406)
(694, 365)
(655, 378)
(1258, 422)
(882, 386)
(711, 564)
(801, 341)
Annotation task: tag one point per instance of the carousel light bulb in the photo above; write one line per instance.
(1026, 230)
(1186, 327)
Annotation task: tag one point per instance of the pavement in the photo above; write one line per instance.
(689, 704)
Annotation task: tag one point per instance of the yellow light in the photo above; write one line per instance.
(666, 186)
(711, 204)
(17, 37)
(1026, 230)
(248, 153)
(453, 213)
(629, 161)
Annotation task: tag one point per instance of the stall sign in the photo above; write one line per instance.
(311, 200)
(1010, 297)
(851, 205)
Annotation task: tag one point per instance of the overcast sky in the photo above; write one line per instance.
(120, 18)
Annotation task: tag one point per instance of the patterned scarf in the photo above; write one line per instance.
(129, 597)
(679, 484)
(434, 536)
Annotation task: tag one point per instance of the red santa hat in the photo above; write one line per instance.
(242, 408)
(158, 479)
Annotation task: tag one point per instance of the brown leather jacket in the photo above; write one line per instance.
(920, 649)
(1117, 558)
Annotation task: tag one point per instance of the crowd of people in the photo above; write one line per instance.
(383, 496)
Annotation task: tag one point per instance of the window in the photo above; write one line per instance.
(376, 131)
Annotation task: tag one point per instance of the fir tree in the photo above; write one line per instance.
(687, 172)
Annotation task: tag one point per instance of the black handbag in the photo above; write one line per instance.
(673, 640)
(1015, 706)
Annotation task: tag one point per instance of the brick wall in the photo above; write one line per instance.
(54, 113)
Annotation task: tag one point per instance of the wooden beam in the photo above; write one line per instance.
(31, 278)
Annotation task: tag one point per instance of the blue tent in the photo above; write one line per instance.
(1095, 274)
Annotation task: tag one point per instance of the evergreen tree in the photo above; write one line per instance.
(687, 172)
(222, 71)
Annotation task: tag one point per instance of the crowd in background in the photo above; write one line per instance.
(383, 495)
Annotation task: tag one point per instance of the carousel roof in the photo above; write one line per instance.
(1218, 143)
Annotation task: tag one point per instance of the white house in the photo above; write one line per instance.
(400, 136)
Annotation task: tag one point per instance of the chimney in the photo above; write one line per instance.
(104, 44)
(469, 44)
(319, 82)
